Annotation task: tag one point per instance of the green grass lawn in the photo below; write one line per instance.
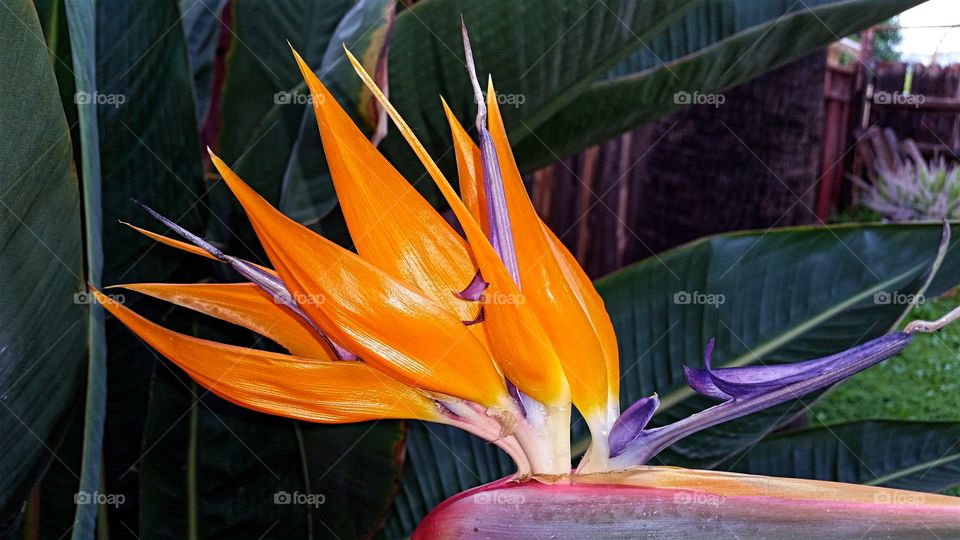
(921, 383)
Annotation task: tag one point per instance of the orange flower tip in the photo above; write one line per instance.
(296, 55)
(101, 298)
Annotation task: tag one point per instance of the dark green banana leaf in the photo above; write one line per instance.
(715, 46)
(49, 331)
(918, 456)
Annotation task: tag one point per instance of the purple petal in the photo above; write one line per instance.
(725, 383)
(269, 283)
(476, 320)
(702, 383)
(755, 388)
(628, 427)
(700, 379)
(474, 291)
(515, 394)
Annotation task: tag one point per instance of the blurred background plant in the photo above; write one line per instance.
(641, 125)
(904, 186)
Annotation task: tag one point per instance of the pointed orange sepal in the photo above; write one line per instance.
(390, 223)
(247, 305)
(383, 320)
(552, 286)
(469, 169)
(189, 248)
(519, 343)
(177, 244)
(300, 388)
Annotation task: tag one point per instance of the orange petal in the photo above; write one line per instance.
(469, 169)
(381, 319)
(189, 248)
(551, 284)
(247, 305)
(390, 223)
(518, 342)
(300, 388)
(597, 313)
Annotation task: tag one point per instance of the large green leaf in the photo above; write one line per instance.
(143, 140)
(540, 54)
(307, 192)
(274, 139)
(43, 336)
(260, 73)
(537, 49)
(201, 21)
(788, 294)
(919, 456)
(138, 139)
(264, 100)
(51, 508)
(717, 45)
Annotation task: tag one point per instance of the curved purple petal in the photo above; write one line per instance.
(700, 379)
(756, 388)
(474, 290)
(476, 320)
(628, 427)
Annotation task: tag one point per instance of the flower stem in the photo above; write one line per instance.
(597, 457)
(473, 419)
(545, 436)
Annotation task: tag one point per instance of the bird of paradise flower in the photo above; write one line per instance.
(497, 332)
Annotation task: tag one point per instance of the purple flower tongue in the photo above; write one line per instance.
(501, 232)
(725, 383)
(628, 427)
(746, 390)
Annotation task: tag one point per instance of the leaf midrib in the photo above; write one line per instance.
(924, 465)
